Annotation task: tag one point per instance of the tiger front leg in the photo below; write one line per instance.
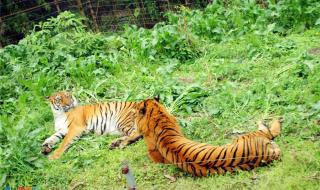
(67, 141)
(51, 141)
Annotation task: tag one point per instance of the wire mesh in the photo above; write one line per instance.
(17, 18)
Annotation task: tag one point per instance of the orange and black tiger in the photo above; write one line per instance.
(166, 144)
(72, 121)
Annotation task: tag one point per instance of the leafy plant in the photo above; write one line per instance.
(223, 19)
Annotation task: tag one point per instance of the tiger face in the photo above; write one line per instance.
(62, 101)
(141, 116)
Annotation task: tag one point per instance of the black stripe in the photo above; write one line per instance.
(234, 155)
(272, 137)
(257, 153)
(201, 174)
(116, 106)
(218, 157)
(212, 152)
(249, 147)
(189, 157)
(223, 158)
(159, 135)
(157, 124)
(97, 121)
(185, 152)
(165, 136)
(181, 147)
(59, 135)
(67, 118)
(244, 153)
(70, 123)
(151, 112)
(205, 157)
(102, 118)
(167, 151)
(120, 107)
(145, 104)
(118, 124)
(106, 120)
(173, 154)
(193, 169)
(196, 155)
(172, 140)
(111, 112)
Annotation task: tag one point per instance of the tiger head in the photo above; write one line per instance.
(62, 101)
(150, 114)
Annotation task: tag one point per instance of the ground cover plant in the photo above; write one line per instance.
(219, 70)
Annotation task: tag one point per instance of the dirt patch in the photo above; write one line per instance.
(314, 51)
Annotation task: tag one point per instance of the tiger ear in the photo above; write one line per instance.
(46, 97)
(58, 98)
(69, 93)
(157, 98)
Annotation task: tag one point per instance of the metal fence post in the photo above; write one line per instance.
(128, 174)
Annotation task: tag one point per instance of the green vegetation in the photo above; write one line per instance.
(218, 70)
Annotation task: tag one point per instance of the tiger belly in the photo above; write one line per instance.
(103, 126)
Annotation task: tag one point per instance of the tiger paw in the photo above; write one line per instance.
(118, 143)
(45, 149)
(115, 144)
(123, 145)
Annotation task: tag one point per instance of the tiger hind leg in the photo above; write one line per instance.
(276, 152)
(116, 143)
(156, 156)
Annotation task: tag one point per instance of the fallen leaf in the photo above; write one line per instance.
(76, 185)
(171, 178)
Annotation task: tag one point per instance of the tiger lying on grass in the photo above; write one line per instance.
(104, 118)
(166, 144)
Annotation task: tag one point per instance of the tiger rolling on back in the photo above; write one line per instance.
(71, 121)
(166, 144)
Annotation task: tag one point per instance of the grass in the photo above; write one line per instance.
(246, 79)
(217, 71)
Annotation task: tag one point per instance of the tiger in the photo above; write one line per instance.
(72, 120)
(166, 144)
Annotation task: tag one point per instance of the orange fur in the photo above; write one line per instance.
(166, 144)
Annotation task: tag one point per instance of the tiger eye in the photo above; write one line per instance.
(142, 111)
